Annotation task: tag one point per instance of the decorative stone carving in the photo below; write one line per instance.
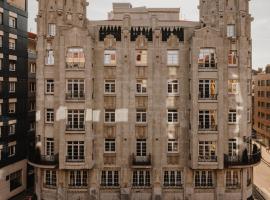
(141, 42)
(173, 42)
(110, 42)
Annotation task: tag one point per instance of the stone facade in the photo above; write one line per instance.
(144, 105)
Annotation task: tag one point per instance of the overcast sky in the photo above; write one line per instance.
(98, 9)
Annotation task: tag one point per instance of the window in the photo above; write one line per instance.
(50, 178)
(232, 179)
(141, 147)
(172, 178)
(1, 38)
(141, 116)
(110, 57)
(49, 57)
(12, 87)
(208, 120)
(51, 29)
(75, 151)
(109, 116)
(172, 146)
(172, 116)
(207, 151)
(49, 86)
(12, 22)
(173, 87)
(109, 146)
(11, 150)
(1, 18)
(109, 178)
(75, 89)
(207, 58)
(207, 89)
(75, 58)
(1, 151)
(232, 116)
(15, 180)
(1, 63)
(231, 31)
(141, 178)
(49, 142)
(204, 179)
(141, 57)
(78, 178)
(75, 120)
(141, 86)
(172, 57)
(11, 129)
(32, 87)
(233, 150)
(232, 58)
(12, 108)
(12, 66)
(109, 86)
(249, 87)
(32, 68)
(12, 43)
(49, 115)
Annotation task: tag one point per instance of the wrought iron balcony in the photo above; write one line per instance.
(212, 158)
(75, 65)
(245, 159)
(74, 159)
(37, 158)
(207, 65)
(204, 96)
(141, 160)
(207, 127)
(75, 96)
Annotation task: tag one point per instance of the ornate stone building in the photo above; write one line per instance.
(144, 105)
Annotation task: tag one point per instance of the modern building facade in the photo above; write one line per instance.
(13, 75)
(261, 113)
(144, 105)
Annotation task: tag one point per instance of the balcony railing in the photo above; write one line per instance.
(75, 96)
(208, 127)
(36, 158)
(74, 159)
(141, 160)
(243, 160)
(204, 96)
(207, 65)
(71, 127)
(75, 65)
(207, 159)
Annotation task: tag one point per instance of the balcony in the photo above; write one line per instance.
(203, 96)
(207, 65)
(75, 159)
(206, 159)
(38, 160)
(141, 160)
(73, 127)
(75, 96)
(244, 160)
(207, 127)
(75, 66)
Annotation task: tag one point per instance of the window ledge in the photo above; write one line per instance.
(141, 95)
(109, 94)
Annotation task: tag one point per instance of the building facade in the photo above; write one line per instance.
(13, 75)
(261, 114)
(144, 105)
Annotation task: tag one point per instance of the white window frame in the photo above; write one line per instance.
(173, 87)
(172, 146)
(141, 86)
(109, 86)
(172, 116)
(141, 148)
(207, 119)
(172, 57)
(141, 178)
(141, 116)
(110, 57)
(50, 178)
(207, 151)
(49, 147)
(51, 29)
(78, 178)
(204, 179)
(109, 116)
(231, 31)
(12, 22)
(49, 115)
(232, 116)
(233, 179)
(12, 87)
(172, 178)
(12, 43)
(33, 68)
(11, 129)
(49, 60)
(12, 66)
(49, 86)
(141, 57)
(109, 146)
(109, 178)
(233, 149)
(76, 119)
(32, 87)
(207, 58)
(233, 86)
(75, 88)
(232, 58)
(75, 58)
(75, 151)
(11, 150)
(207, 88)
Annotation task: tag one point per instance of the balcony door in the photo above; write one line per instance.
(141, 147)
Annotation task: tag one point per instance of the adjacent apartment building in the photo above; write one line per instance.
(261, 114)
(144, 105)
(13, 97)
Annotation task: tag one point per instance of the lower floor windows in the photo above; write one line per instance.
(172, 178)
(109, 178)
(15, 180)
(78, 178)
(141, 178)
(50, 178)
(204, 179)
(232, 179)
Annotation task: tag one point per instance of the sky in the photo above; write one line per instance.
(259, 9)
